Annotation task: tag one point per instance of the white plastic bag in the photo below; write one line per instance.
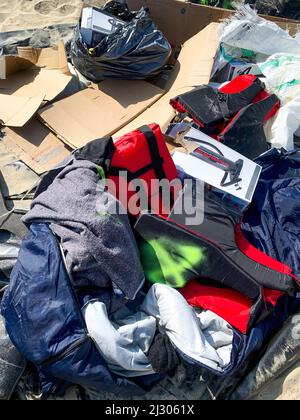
(286, 125)
(282, 72)
(247, 31)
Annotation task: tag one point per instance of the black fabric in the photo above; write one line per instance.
(246, 132)
(162, 355)
(209, 106)
(219, 226)
(12, 365)
(157, 161)
(98, 151)
(214, 265)
(11, 222)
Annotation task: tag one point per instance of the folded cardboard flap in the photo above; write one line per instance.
(98, 112)
(15, 111)
(12, 64)
(35, 81)
(26, 84)
(35, 145)
(47, 58)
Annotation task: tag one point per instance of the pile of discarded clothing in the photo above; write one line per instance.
(159, 255)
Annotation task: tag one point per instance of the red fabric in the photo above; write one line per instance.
(238, 84)
(179, 108)
(272, 296)
(228, 304)
(132, 153)
(264, 95)
(258, 256)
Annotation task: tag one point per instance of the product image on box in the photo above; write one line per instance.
(232, 169)
(219, 167)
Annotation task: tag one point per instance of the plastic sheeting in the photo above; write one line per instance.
(247, 32)
(282, 72)
(12, 365)
(138, 50)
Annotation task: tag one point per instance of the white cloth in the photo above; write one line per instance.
(125, 341)
(122, 346)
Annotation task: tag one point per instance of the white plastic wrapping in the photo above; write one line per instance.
(247, 31)
(282, 72)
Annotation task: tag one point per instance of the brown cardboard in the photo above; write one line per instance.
(97, 112)
(26, 84)
(35, 145)
(181, 20)
(15, 177)
(192, 69)
(15, 111)
(48, 58)
(34, 81)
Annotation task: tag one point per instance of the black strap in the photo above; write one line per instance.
(156, 164)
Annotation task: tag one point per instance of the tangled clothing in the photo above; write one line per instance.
(272, 223)
(123, 346)
(124, 343)
(205, 338)
(162, 355)
(95, 234)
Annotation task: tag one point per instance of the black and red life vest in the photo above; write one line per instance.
(235, 114)
(143, 155)
(217, 253)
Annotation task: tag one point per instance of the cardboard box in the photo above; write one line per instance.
(26, 84)
(239, 188)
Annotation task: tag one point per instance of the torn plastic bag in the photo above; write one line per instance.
(282, 73)
(285, 126)
(247, 31)
(138, 50)
(281, 355)
(9, 250)
(227, 68)
(282, 76)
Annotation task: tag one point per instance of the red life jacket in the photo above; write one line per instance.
(144, 155)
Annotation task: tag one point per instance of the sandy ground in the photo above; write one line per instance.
(31, 14)
(285, 387)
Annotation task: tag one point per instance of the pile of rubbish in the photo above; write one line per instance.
(150, 223)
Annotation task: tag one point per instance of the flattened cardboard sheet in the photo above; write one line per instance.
(35, 145)
(98, 112)
(15, 111)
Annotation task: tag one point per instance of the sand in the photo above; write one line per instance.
(32, 14)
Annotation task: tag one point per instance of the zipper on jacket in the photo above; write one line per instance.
(66, 352)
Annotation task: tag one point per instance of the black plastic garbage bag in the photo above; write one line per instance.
(138, 50)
